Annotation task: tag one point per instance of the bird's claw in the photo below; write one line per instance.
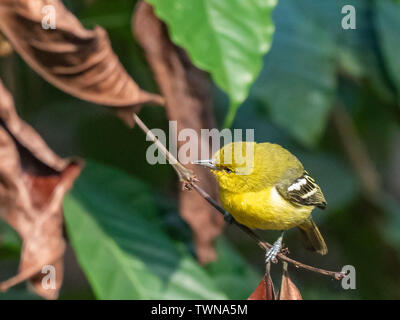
(285, 251)
(187, 185)
(271, 254)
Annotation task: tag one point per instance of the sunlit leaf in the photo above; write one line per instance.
(224, 37)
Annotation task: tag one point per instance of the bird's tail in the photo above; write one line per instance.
(313, 239)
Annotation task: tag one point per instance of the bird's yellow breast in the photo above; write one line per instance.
(265, 209)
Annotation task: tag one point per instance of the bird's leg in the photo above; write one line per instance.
(274, 250)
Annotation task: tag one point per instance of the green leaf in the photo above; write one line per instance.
(297, 83)
(224, 37)
(232, 274)
(358, 53)
(19, 294)
(10, 243)
(336, 180)
(109, 14)
(112, 223)
(389, 227)
(388, 28)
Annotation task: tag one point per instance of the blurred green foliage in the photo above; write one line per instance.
(121, 217)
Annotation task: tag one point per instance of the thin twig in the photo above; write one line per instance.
(188, 178)
(185, 175)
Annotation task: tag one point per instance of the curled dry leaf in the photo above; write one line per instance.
(186, 90)
(33, 181)
(80, 62)
(288, 289)
(265, 289)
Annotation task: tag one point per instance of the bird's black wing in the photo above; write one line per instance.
(302, 191)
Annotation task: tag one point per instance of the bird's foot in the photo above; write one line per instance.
(187, 183)
(274, 250)
(228, 218)
(285, 251)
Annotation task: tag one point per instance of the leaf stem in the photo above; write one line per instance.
(230, 116)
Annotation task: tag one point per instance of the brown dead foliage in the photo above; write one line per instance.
(288, 290)
(188, 101)
(266, 291)
(78, 61)
(33, 182)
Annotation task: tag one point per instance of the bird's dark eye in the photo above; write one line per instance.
(227, 170)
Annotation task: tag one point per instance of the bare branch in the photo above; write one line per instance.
(185, 175)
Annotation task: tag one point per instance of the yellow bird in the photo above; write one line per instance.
(265, 187)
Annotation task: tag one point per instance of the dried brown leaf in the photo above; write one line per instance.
(288, 290)
(265, 290)
(33, 182)
(187, 94)
(80, 62)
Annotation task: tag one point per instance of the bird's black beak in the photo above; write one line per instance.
(209, 163)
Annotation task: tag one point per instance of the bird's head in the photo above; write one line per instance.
(235, 167)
